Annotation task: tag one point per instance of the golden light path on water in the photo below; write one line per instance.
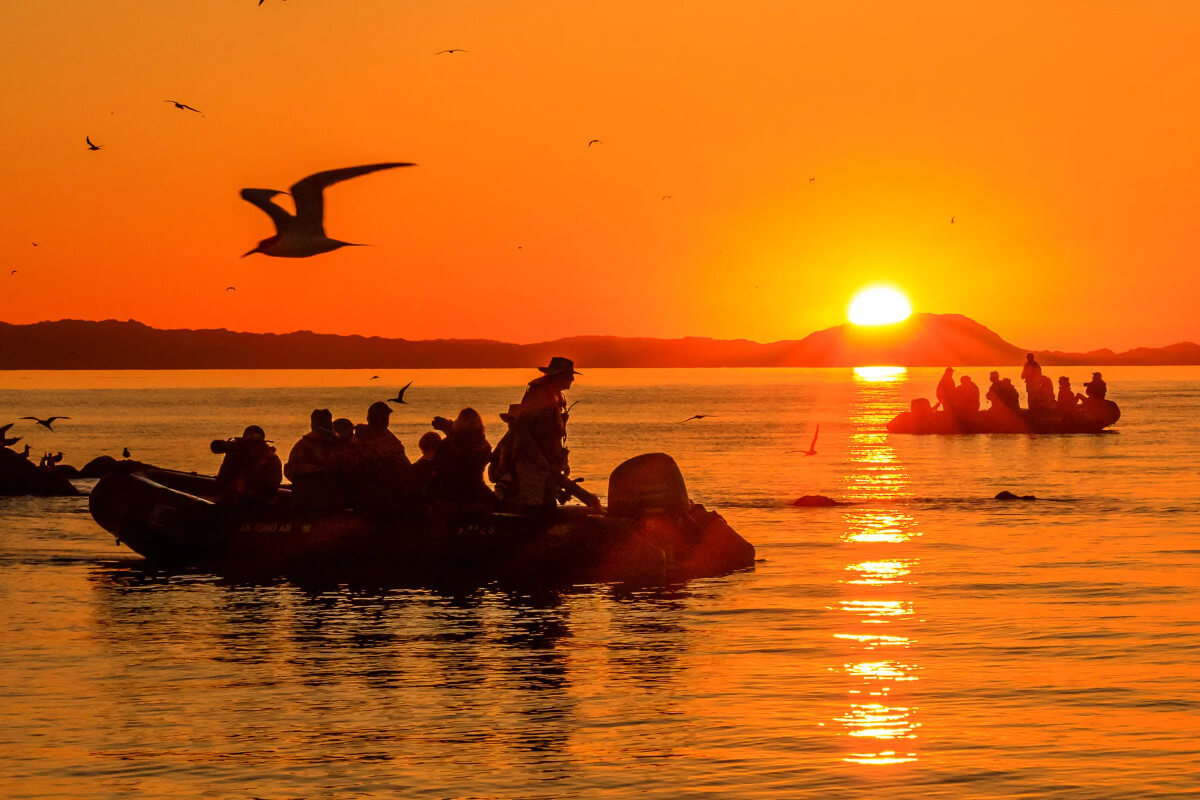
(879, 722)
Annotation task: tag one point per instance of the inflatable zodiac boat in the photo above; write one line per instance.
(651, 534)
(1091, 417)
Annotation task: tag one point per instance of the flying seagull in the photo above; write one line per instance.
(302, 234)
(14, 272)
(373, 378)
(5, 440)
(695, 416)
(46, 423)
(35, 244)
(452, 51)
(184, 106)
(399, 398)
(665, 197)
(231, 288)
(91, 145)
(594, 141)
(812, 448)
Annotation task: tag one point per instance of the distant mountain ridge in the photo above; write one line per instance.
(923, 340)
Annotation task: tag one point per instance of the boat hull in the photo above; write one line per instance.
(172, 518)
(1092, 419)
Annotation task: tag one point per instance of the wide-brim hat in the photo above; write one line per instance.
(559, 366)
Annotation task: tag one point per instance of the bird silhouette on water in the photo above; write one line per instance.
(399, 398)
(46, 423)
(696, 416)
(92, 145)
(812, 448)
(302, 234)
(184, 106)
(5, 439)
(124, 452)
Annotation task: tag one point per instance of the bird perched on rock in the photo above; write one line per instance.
(46, 423)
(399, 398)
(124, 452)
(302, 234)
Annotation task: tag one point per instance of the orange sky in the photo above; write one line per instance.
(1061, 136)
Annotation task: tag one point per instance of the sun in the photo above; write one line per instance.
(879, 305)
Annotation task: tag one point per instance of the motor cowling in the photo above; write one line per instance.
(647, 484)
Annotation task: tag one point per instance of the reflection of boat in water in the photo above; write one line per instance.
(1091, 417)
(173, 518)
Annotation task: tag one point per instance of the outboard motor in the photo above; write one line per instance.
(645, 484)
(649, 490)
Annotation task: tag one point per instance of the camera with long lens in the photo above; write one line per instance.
(222, 446)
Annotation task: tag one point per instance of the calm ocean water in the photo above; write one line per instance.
(924, 641)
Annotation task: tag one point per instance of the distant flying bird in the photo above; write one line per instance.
(666, 197)
(452, 51)
(695, 416)
(594, 141)
(302, 234)
(399, 398)
(952, 220)
(374, 378)
(14, 272)
(5, 440)
(260, 2)
(810, 180)
(46, 423)
(124, 452)
(812, 448)
(185, 106)
(91, 145)
(35, 244)
(231, 288)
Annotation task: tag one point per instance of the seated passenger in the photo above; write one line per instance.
(251, 472)
(1041, 394)
(1010, 395)
(966, 396)
(995, 392)
(1067, 399)
(946, 389)
(1096, 388)
(312, 466)
(457, 482)
(423, 467)
(344, 429)
(382, 471)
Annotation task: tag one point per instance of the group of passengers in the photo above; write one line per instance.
(962, 399)
(339, 464)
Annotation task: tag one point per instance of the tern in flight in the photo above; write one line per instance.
(696, 416)
(46, 423)
(302, 234)
(812, 448)
(14, 272)
(184, 106)
(92, 145)
(452, 51)
(594, 141)
(5, 440)
(399, 398)
(373, 378)
(231, 288)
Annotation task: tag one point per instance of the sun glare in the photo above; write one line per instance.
(879, 305)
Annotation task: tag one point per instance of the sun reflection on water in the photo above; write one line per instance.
(879, 724)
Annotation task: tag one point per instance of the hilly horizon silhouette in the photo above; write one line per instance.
(922, 340)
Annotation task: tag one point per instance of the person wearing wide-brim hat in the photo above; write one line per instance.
(539, 473)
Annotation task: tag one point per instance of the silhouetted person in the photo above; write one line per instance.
(313, 465)
(995, 392)
(461, 457)
(1010, 395)
(945, 389)
(251, 472)
(1096, 388)
(423, 467)
(1041, 394)
(383, 481)
(966, 396)
(344, 430)
(1067, 399)
(537, 471)
(1030, 369)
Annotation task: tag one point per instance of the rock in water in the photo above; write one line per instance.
(816, 501)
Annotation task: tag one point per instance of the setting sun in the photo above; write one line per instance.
(879, 305)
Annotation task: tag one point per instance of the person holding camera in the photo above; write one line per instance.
(251, 472)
